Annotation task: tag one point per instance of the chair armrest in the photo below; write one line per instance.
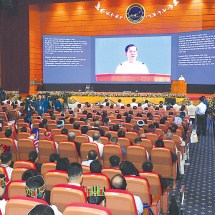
(155, 200)
(156, 205)
(145, 212)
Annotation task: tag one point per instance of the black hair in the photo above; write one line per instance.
(108, 135)
(74, 170)
(114, 161)
(54, 157)
(62, 164)
(84, 129)
(128, 46)
(6, 157)
(95, 166)
(41, 209)
(29, 173)
(8, 133)
(76, 125)
(121, 133)
(128, 168)
(23, 129)
(92, 154)
(147, 166)
(64, 131)
(159, 143)
(97, 200)
(32, 156)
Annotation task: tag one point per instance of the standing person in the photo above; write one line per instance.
(192, 113)
(45, 103)
(39, 105)
(181, 78)
(131, 66)
(201, 117)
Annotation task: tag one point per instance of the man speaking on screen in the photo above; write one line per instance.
(131, 66)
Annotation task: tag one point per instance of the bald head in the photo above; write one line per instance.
(96, 136)
(71, 136)
(118, 182)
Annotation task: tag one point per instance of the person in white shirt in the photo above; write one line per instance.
(192, 112)
(84, 130)
(92, 155)
(134, 103)
(35, 188)
(6, 159)
(201, 117)
(119, 182)
(119, 103)
(181, 78)
(75, 173)
(3, 202)
(96, 139)
(131, 66)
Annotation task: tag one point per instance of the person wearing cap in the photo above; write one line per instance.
(6, 160)
(95, 195)
(3, 198)
(140, 123)
(60, 124)
(35, 188)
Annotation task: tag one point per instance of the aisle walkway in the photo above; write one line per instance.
(199, 178)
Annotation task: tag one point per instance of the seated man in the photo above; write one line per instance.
(96, 139)
(114, 140)
(148, 167)
(114, 161)
(92, 155)
(62, 164)
(128, 168)
(33, 157)
(6, 160)
(75, 172)
(71, 138)
(119, 182)
(29, 173)
(137, 141)
(96, 167)
(35, 188)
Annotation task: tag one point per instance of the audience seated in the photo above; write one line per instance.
(95, 166)
(114, 161)
(92, 155)
(33, 157)
(54, 157)
(6, 160)
(62, 164)
(71, 138)
(35, 188)
(75, 174)
(119, 182)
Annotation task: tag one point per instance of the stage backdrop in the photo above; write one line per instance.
(107, 19)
